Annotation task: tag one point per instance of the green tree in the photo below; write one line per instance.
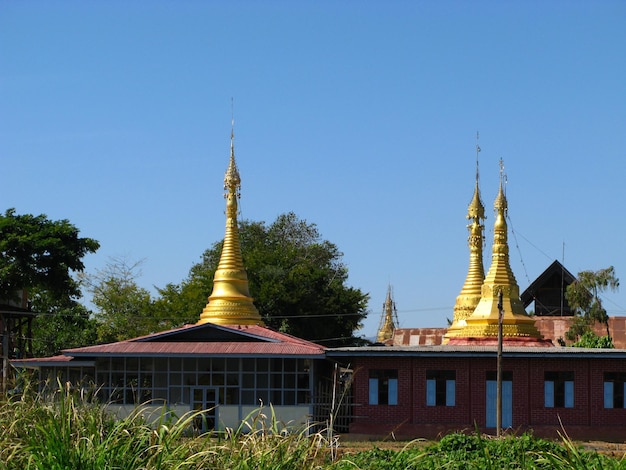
(583, 297)
(42, 253)
(60, 324)
(296, 278)
(123, 310)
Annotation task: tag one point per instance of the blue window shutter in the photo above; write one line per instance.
(608, 394)
(569, 394)
(374, 391)
(450, 392)
(548, 394)
(393, 391)
(431, 392)
(507, 404)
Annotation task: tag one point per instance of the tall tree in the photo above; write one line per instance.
(123, 309)
(296, 278)
(61, 324)
(583, 296)
(38, 252)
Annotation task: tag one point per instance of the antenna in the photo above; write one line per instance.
(477, 152)
(503, 178)
(232, 118)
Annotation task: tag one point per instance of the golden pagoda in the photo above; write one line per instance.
(482, 324)
(230, 302)
(389, 320)
(471, 291)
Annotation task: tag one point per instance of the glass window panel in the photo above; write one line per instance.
(450, 392)
(569, 394)
(290, 381)
(175, 379)
(218, 364)
(289, 397)
(176, 395)
(431, 392)
(263, 396)
(393, 392)
(160, 380)
(248, 365)
(373, 391)
(548, 393)
(608, 394)
(277, 397)
(289, 365)
(262, 381)
(232, 364)
(262, 365)
(248, 397)
(247, 381)
(303, 381)
(302, 397)
(204, 364)
(277, 380)
(232, 379)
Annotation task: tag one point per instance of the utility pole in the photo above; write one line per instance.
(499, 369)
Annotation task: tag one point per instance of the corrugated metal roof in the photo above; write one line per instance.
(256, 340)
(475, 351)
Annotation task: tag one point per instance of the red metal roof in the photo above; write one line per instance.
(255, 340)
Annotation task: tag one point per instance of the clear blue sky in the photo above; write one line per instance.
(358, 116)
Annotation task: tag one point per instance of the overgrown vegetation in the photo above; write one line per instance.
(66, 430)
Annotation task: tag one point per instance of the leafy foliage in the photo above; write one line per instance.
(297, 280)
(590, 340)
(38, 252)
(583, 296)
(60, 324)
(123, 309)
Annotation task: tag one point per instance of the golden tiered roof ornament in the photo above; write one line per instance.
(482, 325)
(230, 302)
(471, 292)
(389, 321)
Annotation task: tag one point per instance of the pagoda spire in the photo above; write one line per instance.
(389, 320)
(230, 302)
(470, 294)
(482, 324)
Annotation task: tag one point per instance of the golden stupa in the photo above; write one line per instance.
(230, 302)
(389, 320)
(471, 292)
(482, 324)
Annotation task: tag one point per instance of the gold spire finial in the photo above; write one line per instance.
(230, 302)
(389, 320)
(470, 293)
(483, 322)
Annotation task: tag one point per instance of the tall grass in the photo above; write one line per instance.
(66, 430)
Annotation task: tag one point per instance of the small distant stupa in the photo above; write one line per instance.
(389, 319)
(230, 302)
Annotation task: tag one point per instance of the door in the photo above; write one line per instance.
(204, 399)
(492, 403)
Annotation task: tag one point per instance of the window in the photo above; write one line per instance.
(383, 387)
(558, 389)
(614, 389)
(440, 387)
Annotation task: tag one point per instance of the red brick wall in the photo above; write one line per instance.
(413, 418)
